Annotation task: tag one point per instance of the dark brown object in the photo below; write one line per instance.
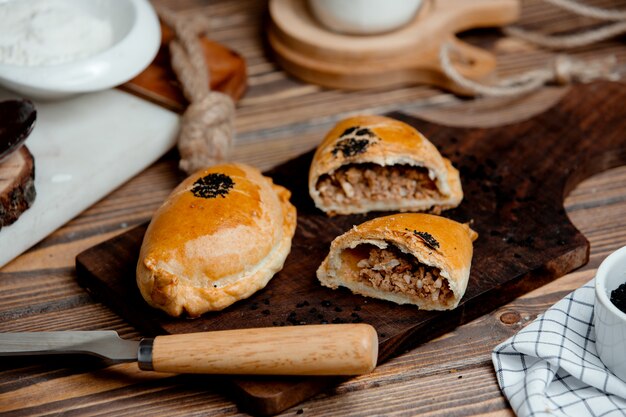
(17, 119)
(618, 297)
(159, 84)
(17, 185)
(514, 179)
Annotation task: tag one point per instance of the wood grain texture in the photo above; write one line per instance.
(309, 51)
(92, 388)
(277, 119)
(17, 185)
(342, 349)
(513, 197)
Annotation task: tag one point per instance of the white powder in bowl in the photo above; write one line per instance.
(49, 32)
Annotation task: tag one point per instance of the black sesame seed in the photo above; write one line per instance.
(350, 147)
(265, 312)
(338, 309)
(349, 130)
(326, 303)
(428, 239)
(357, 308)
(266, 301)
(364, 131)
(292, 314)
(212, 185)
(313, 310)
(299, 305)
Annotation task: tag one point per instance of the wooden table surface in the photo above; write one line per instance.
(279, 118)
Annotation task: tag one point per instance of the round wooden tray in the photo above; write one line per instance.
(306, 49)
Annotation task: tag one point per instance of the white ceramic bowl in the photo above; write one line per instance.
(364, 17)
(136, 40)
(609, 321)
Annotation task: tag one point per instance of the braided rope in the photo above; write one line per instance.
(568, 41)
(207, 131)
(562, 69)
(589, 11)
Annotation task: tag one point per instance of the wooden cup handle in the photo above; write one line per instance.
(333, 349)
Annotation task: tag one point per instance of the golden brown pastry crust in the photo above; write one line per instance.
(385, 142)
(214, 242)
(450, 251)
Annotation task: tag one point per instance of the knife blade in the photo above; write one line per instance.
(331, 349)
(105, 344)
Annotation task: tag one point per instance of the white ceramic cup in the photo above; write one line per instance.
(364, 17)
(609, 321)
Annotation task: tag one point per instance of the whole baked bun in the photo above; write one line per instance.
(409, 258)
(220, 236)
(375, 163)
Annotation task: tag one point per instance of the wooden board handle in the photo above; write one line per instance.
(471, 61)
(341, 349)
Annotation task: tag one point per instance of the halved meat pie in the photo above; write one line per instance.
(412, 258)
(374, 163)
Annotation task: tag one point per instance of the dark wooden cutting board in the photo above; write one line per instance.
(514, 179)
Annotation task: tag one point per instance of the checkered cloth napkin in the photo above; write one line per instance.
(551, 368)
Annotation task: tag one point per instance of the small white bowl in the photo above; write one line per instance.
(364, 17)
(136, 41)
(609, 321)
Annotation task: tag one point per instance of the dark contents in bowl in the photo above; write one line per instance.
(618, 297)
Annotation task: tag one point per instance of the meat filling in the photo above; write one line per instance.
(393, 271)
(356, 182)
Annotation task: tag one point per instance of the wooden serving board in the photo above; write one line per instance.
(408, 55)
(514, 179)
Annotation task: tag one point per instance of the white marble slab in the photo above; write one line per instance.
(84, 148)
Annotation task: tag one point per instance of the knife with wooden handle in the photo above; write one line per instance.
(332, 349)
